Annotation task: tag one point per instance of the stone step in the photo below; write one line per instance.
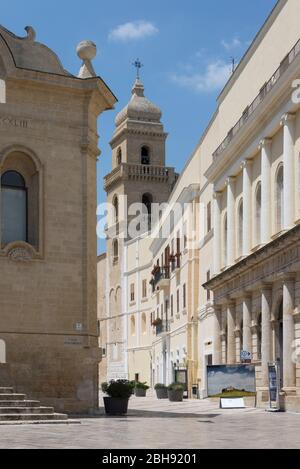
(23, 404)
(32, 417)
(26, 410)
(6, 390)
(39, 422)
(12, 397)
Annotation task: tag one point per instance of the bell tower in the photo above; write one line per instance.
(139, 175)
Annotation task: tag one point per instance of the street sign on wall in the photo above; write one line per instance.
(246, 357)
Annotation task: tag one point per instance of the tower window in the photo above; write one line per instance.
(116, 250)
(145, 156)
(116, 209)
(119, 157)
(13, 207)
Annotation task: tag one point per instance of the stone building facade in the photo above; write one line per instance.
(239, 280)
(48, 153)
(139, 176)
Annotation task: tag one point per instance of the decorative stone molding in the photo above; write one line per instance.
(288, 117)
(272, 260)
(246, 163)
(20, 252)
(230, 180)
(265, 142)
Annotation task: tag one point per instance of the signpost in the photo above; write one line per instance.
(274, 386)
(246, 357)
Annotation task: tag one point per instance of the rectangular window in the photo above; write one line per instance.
(172, 306)
(167, 256)
(208, 279)
(178, 301)
(132, 293)
(14, 215)
(208, 215)
(184, 296)
(144, 288)
(178, 246)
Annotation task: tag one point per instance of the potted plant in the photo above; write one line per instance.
(161, 391)
(132, 384)
(175, 392)
(118, 394)
(141, 389)
(157, 322)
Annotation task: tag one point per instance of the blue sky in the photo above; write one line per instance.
(185, 48)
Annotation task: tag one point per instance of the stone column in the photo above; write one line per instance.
(231, 313)
(266, 339)
(217, 341)
(265, 147)
(289, 367)
(247, 212)
(247, 323)
(224, 334)
(288, 124)
(217, 233)
(230, 221)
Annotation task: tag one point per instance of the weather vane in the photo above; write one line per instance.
(138, 65)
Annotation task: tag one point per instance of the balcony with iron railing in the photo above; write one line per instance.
(160, 277)
(162, 327)
(264, 91)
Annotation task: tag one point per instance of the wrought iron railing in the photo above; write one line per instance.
(264, 91)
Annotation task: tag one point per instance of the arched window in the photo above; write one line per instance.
(144, 324)
(116, 209)
(258, 214)
(145, 156)
(115, 250)
(147, 201)
(279, 199)
(225, 238)
(132, 326)
(119, 156)
(13, 208)
(240, 227)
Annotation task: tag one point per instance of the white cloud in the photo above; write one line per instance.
(235, 43)
(133, 30)
(213, 78)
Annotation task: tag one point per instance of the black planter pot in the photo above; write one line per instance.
(175, 396)
(115, 406)
(140, 392)
(162, 393)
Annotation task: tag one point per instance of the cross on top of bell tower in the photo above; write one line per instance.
(138, 65)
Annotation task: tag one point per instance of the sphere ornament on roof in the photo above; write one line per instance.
(86, 51)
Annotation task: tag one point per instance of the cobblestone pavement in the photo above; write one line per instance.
(160, 425)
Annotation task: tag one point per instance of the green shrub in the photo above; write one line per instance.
(160, 386)
(104, 387)
(121, 389)
(176, 387)
(141, 386)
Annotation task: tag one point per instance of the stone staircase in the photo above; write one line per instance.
(16, 409)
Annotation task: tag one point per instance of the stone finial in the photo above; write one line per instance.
(87, 51)
(31, 34)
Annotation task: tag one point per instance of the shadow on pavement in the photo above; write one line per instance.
(156, 414)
